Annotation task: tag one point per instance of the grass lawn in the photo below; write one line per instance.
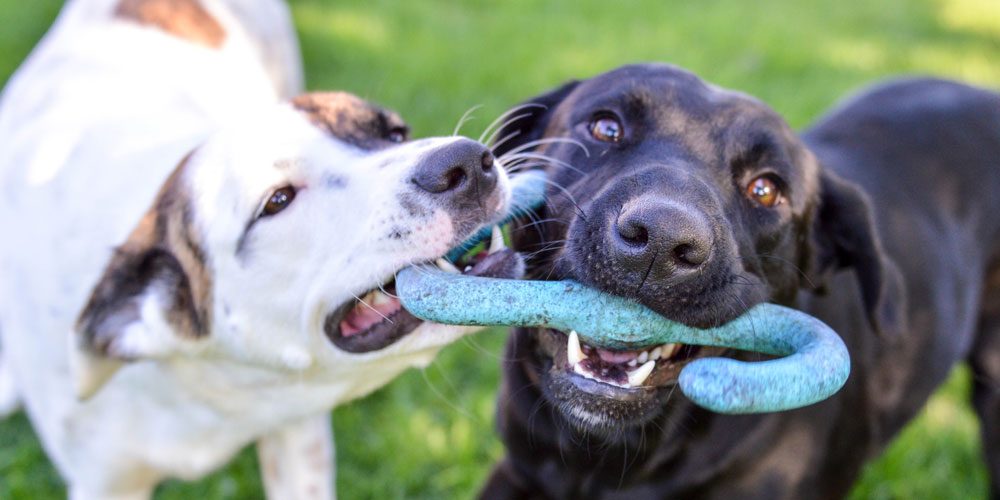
(430, 434)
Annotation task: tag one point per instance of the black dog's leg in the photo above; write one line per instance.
(985, 362)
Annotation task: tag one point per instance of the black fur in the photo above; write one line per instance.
(888, 233)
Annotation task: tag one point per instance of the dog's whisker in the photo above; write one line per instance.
(540, 221)
(496, 145)
(503, 120)
(525, 166)
(550, 140)
(467, 116)
(499, 129)
(549, 159)
(476, 346)
(372, 308)
(382, 289)
(462, 411)
(791, 264)
(569, 196)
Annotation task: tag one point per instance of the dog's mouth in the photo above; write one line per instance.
(378, 319)
(603, 389)
(652, 367)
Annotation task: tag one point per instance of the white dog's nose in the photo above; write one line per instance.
(463, 170)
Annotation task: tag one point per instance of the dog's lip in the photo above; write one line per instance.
(378, 336)
(494, 261)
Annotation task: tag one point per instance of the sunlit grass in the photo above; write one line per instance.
(430, 434)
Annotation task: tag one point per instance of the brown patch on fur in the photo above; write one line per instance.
(349, 118)
(185, 19)
(163, 251)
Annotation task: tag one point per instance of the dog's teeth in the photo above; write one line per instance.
(446, 266)
(655, 355)
(669, 350)
(643, 357)
(573, 352)
(380, 299)
(639, 375)
(496, 241)
(467, 269)
(632, 362)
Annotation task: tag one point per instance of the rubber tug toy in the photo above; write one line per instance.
(813, 363)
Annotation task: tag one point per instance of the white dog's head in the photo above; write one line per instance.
(270, 243)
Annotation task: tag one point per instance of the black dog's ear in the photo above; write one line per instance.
(844, 236)
(527, 121)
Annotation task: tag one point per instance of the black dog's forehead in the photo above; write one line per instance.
(350, 118)
(662, 104)
(673, 100)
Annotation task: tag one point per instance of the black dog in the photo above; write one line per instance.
(699, 203)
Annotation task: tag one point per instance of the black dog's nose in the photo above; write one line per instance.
(463, 169)
(661, 239)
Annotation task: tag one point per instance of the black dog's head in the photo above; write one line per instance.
(695, 201)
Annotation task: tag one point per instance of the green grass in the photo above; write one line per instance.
(430, 434)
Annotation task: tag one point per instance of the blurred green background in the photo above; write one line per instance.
(430, 434)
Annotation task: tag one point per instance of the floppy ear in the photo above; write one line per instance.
(527, 121)
(844, 236)
(152, 295)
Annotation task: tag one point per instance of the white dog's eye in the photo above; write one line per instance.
(397, 134)
(278, 201)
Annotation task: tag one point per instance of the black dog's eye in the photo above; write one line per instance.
(764, 191)
(397, 134)
(278, 201)
(606, 128)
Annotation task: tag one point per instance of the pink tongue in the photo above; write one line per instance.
(363, 317)
(617, 357)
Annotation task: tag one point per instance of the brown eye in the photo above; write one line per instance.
(606, 129)
(765, 191)
(278, 201)
(397, 135)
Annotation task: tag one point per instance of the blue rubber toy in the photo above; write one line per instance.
(815, 362)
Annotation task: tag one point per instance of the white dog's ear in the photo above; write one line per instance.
(153, 297)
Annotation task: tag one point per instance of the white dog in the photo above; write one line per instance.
(189, 265)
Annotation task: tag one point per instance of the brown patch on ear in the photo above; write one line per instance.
(164, 254)
(349, 118)
(185, 19)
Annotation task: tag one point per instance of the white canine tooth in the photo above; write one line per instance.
(643, 357)
(380, 299)
(446, 266)
(467, 269)
(655, 355)
(669, 350)
(639, 375)
(496, 241)
(573, 352)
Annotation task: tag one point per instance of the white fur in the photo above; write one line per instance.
(90, 127)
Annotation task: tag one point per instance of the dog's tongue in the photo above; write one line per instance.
(373, 309)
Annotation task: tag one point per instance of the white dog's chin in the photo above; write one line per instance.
(378, 320)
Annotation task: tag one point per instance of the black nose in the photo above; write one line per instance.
(661, 239)
(463, 170)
